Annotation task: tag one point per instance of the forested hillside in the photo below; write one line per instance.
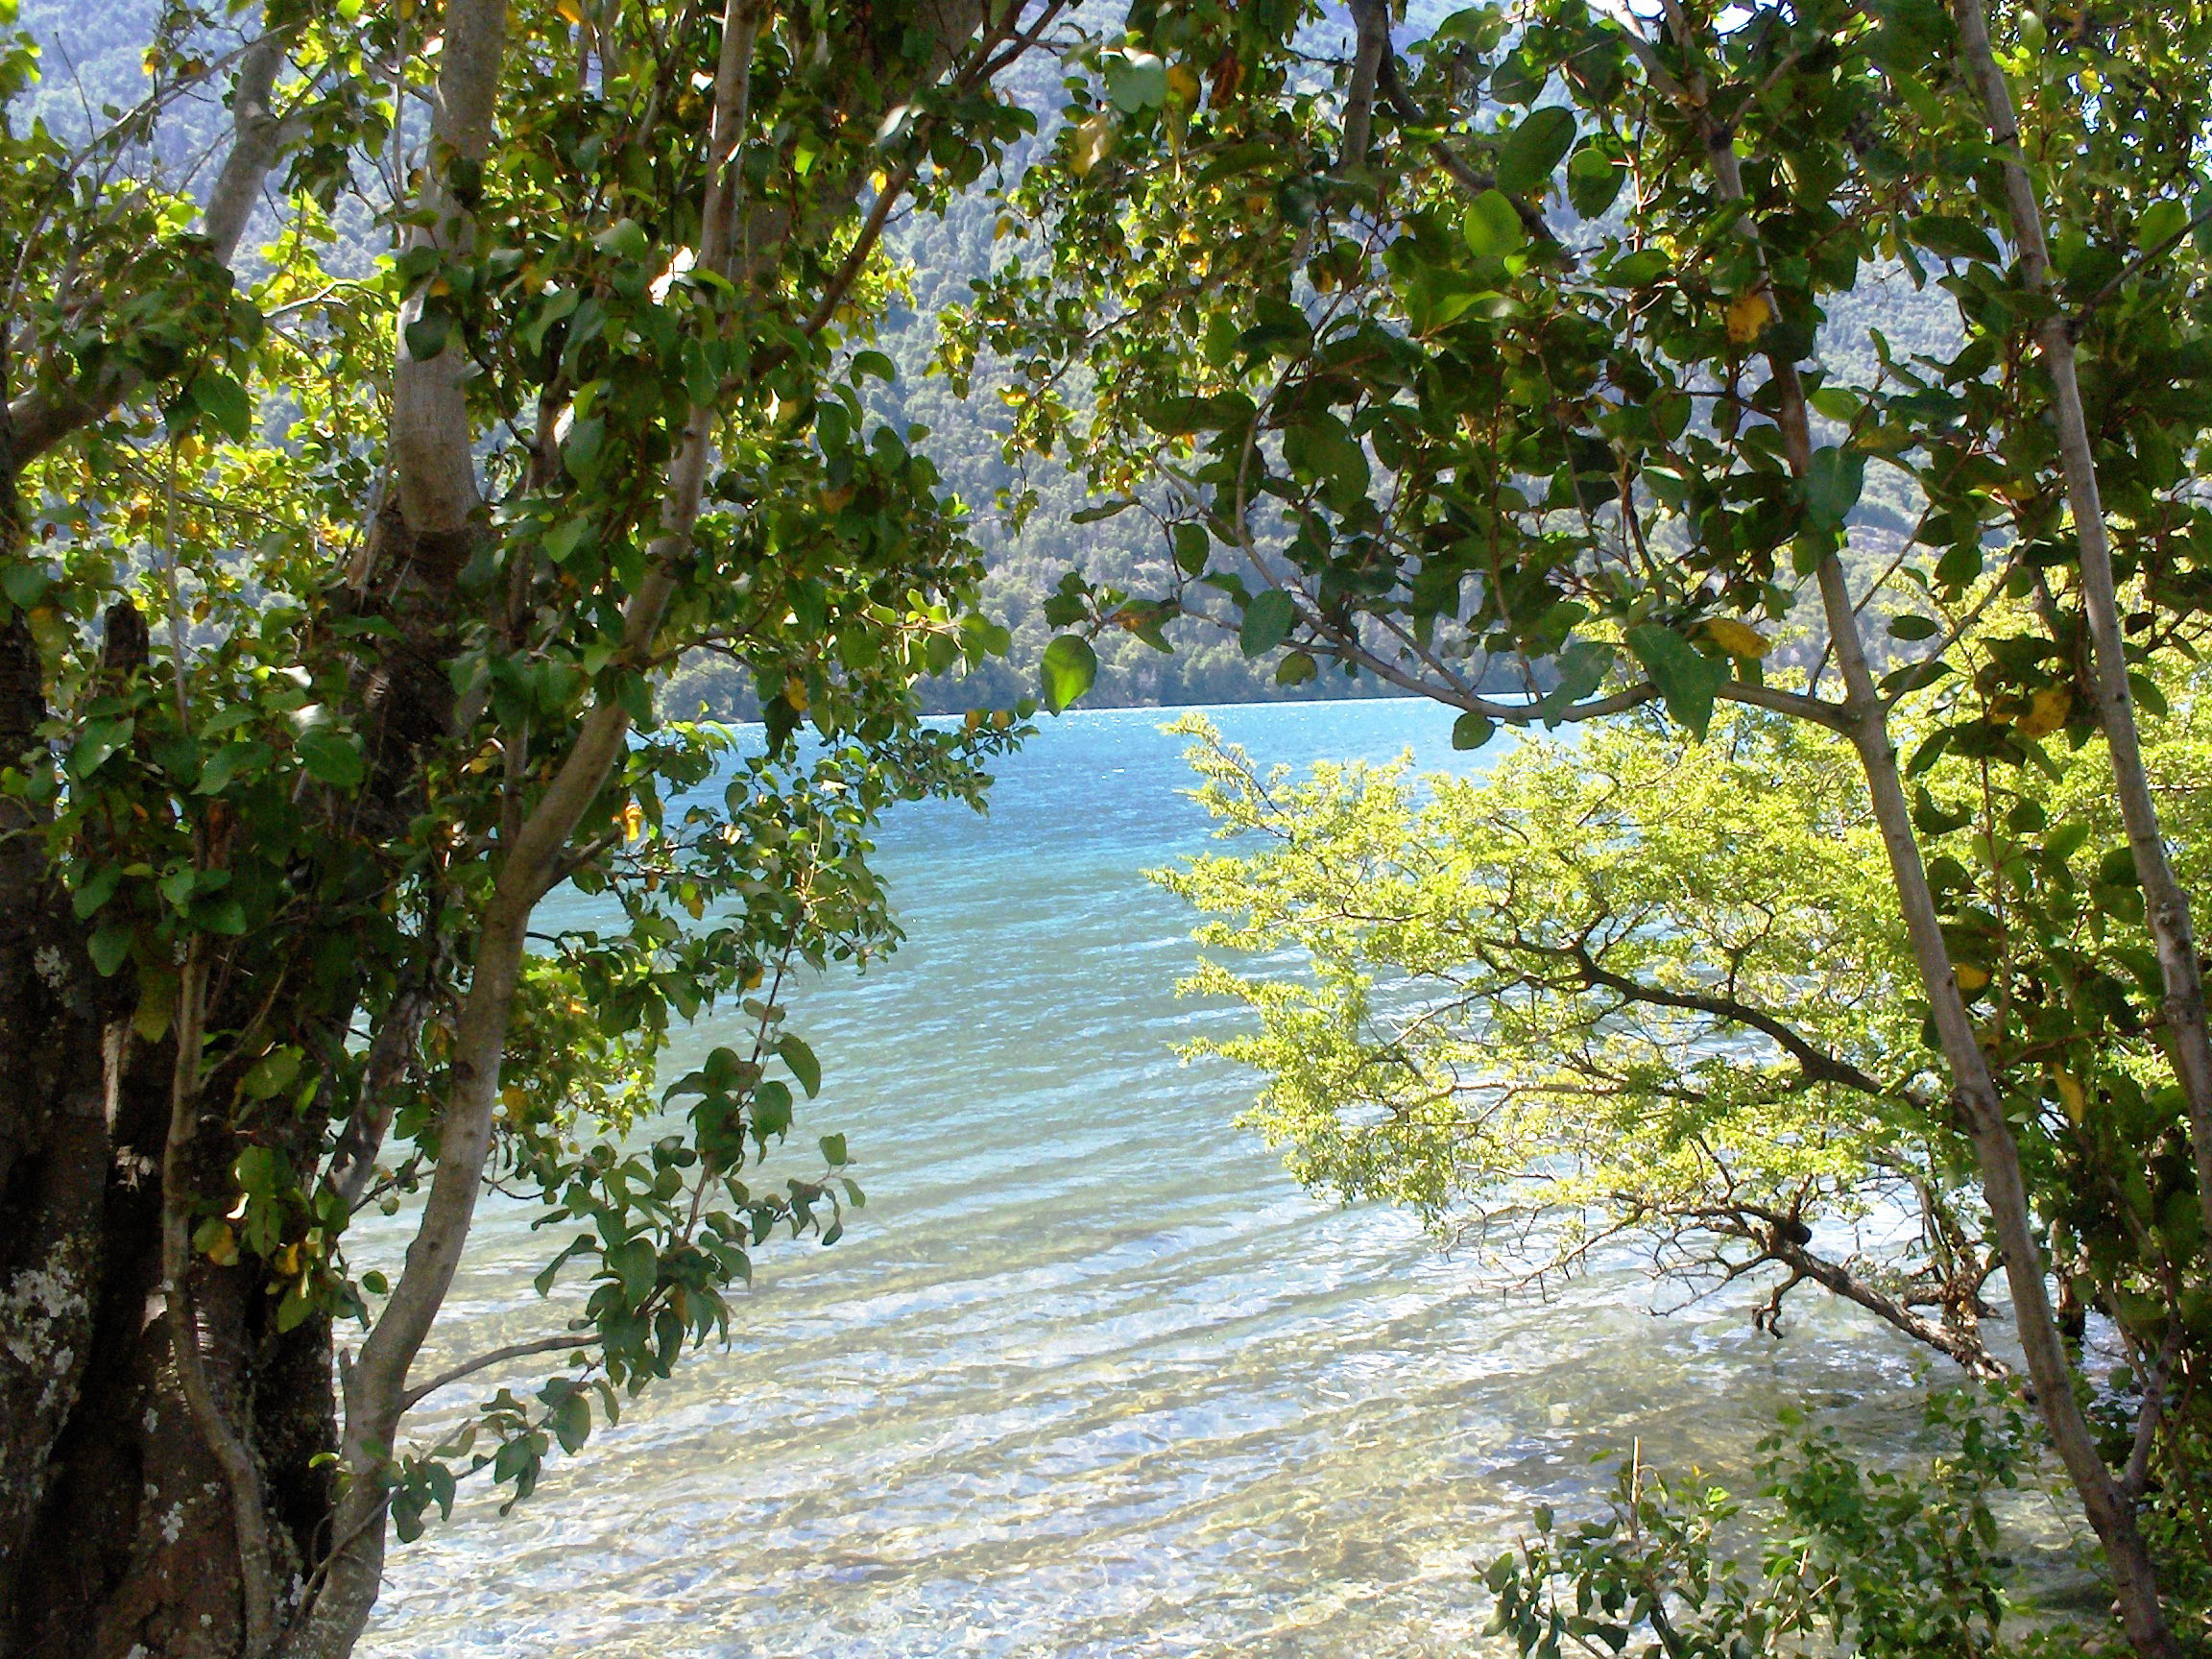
(94, 74)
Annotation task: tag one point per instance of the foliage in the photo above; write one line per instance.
(1511, 351)
(1886, 1564)
(1634, 987)
(344, 578)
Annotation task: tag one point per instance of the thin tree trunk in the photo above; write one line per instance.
(376, 1384)
(1997, 1154)
(2165, 904)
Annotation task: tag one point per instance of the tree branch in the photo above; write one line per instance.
(416, 1395)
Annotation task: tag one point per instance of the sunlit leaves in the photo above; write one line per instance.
(1534, 148)
(1070, 665)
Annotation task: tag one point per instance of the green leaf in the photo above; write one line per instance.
(1534, 148)
(95, 890)
(1267, 622)
(875, 363)
(2063, 842)
(1492, 227)
(296, 1306)
(1910, 627)
(1832, 484)
(833, 1151)
(771, 1110)
(2162, 222)
(24, 582)
(1687, 679)
(223, 765)
(1594, 181)
(625, 239)
(573, 1421)
(1103, 511)
(331, 756)
(1193, 544)
(637, 1266)
(1581, 667)
(426, 335)
(272, 1073)
(1135, 81)
(1470, 731)
(565, 537)
(804, 1066)
(1296, 668)
(1069, 666)
(109, 946)
(224, 403)
(1948, 237)
(102, 739)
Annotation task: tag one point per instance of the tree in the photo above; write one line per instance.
(1636, 990)
(337, 595)
(1512, 351)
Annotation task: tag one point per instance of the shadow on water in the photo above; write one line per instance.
(1090, 1376)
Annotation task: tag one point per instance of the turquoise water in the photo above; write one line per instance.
(1090, 1376)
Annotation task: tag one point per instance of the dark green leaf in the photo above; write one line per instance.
(24, 582)
(1470, 731)
(1593, 181)
(1953, 238)
(1688, 680)
(331, 756)
(1832, 484)
(804, 1066)
(1267, 622)
(224, 403)
(426, 335)
(109, 946)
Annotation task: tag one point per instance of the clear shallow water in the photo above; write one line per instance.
(1090, 1376)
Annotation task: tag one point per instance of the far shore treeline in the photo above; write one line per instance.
(418, 414)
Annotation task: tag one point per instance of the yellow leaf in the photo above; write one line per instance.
(570, 12)
(632, 821)
(2046, 711)
(1748, 314)
(223, 1248)
(514, 1097)
(1970, 977)
(2071, 1095)
(288, 1262)
(1183, 84)
(696, 905)
(1093, 138)
(973, 720)
(1737, 639)
(795, 693)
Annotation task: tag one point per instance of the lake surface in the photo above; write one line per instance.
(1090, 1376)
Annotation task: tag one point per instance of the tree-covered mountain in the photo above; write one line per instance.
(94, 73)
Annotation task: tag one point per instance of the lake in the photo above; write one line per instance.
(1089, 1376)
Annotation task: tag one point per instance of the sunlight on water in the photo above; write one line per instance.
(1090, 1376)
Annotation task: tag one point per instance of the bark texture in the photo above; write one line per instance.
(165, 1485)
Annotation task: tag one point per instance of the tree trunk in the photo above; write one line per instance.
(2165, 904)
(119, 1523)
(1996, 1153)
